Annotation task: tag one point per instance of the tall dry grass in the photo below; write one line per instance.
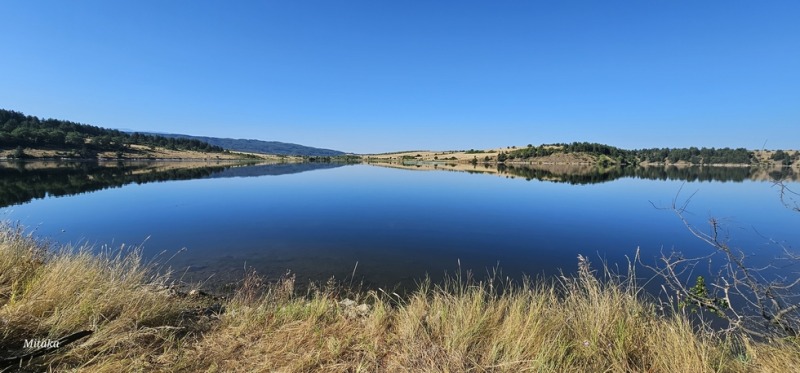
(591, 322)
(48, 293)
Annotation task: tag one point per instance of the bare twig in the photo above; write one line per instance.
(749, 298)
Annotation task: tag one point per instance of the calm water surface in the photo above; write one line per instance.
(319, 220)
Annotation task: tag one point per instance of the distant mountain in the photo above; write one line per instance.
(258, 146)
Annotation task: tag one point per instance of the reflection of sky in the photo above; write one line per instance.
(397, 222)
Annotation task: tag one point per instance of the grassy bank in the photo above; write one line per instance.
(139, 323)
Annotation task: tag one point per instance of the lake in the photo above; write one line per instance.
(393, 224)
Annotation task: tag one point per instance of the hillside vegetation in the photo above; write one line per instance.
(125, 318)
(19, 131)
(600, 154)
(612, 154)
(261, 147)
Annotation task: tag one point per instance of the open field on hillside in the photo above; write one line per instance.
(479, 154)
(145, 152)
(491, 156)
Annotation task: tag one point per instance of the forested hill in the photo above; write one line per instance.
(259, 146)
(18, 130)
(613, 155)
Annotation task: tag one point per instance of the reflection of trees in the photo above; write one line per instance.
(737, 174)
(22, 184)
(276, 169)
(785, 174)
(600, 175)
(580, 177)
(591, 174)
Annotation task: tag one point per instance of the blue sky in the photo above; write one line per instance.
(371, 76)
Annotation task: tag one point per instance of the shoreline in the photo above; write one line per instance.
(554, 171)
(491, 156)
(123, 318)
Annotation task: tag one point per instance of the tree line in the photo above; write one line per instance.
(19, 131)
(612, 154)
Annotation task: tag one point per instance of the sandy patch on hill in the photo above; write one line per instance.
(145, 152)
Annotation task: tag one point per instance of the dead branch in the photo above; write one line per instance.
(751, 299)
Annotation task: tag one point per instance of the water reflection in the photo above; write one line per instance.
(397, 225)
(592, 174)
(21, 182)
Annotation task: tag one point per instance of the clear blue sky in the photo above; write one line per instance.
(373, 76)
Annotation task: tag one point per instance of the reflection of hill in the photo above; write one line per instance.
(274, 169)
(691, 174)
(736, 174)
(588, 174)
(23, 182)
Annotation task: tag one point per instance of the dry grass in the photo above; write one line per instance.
(574, 324)
(146, 152)
(48, 294)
